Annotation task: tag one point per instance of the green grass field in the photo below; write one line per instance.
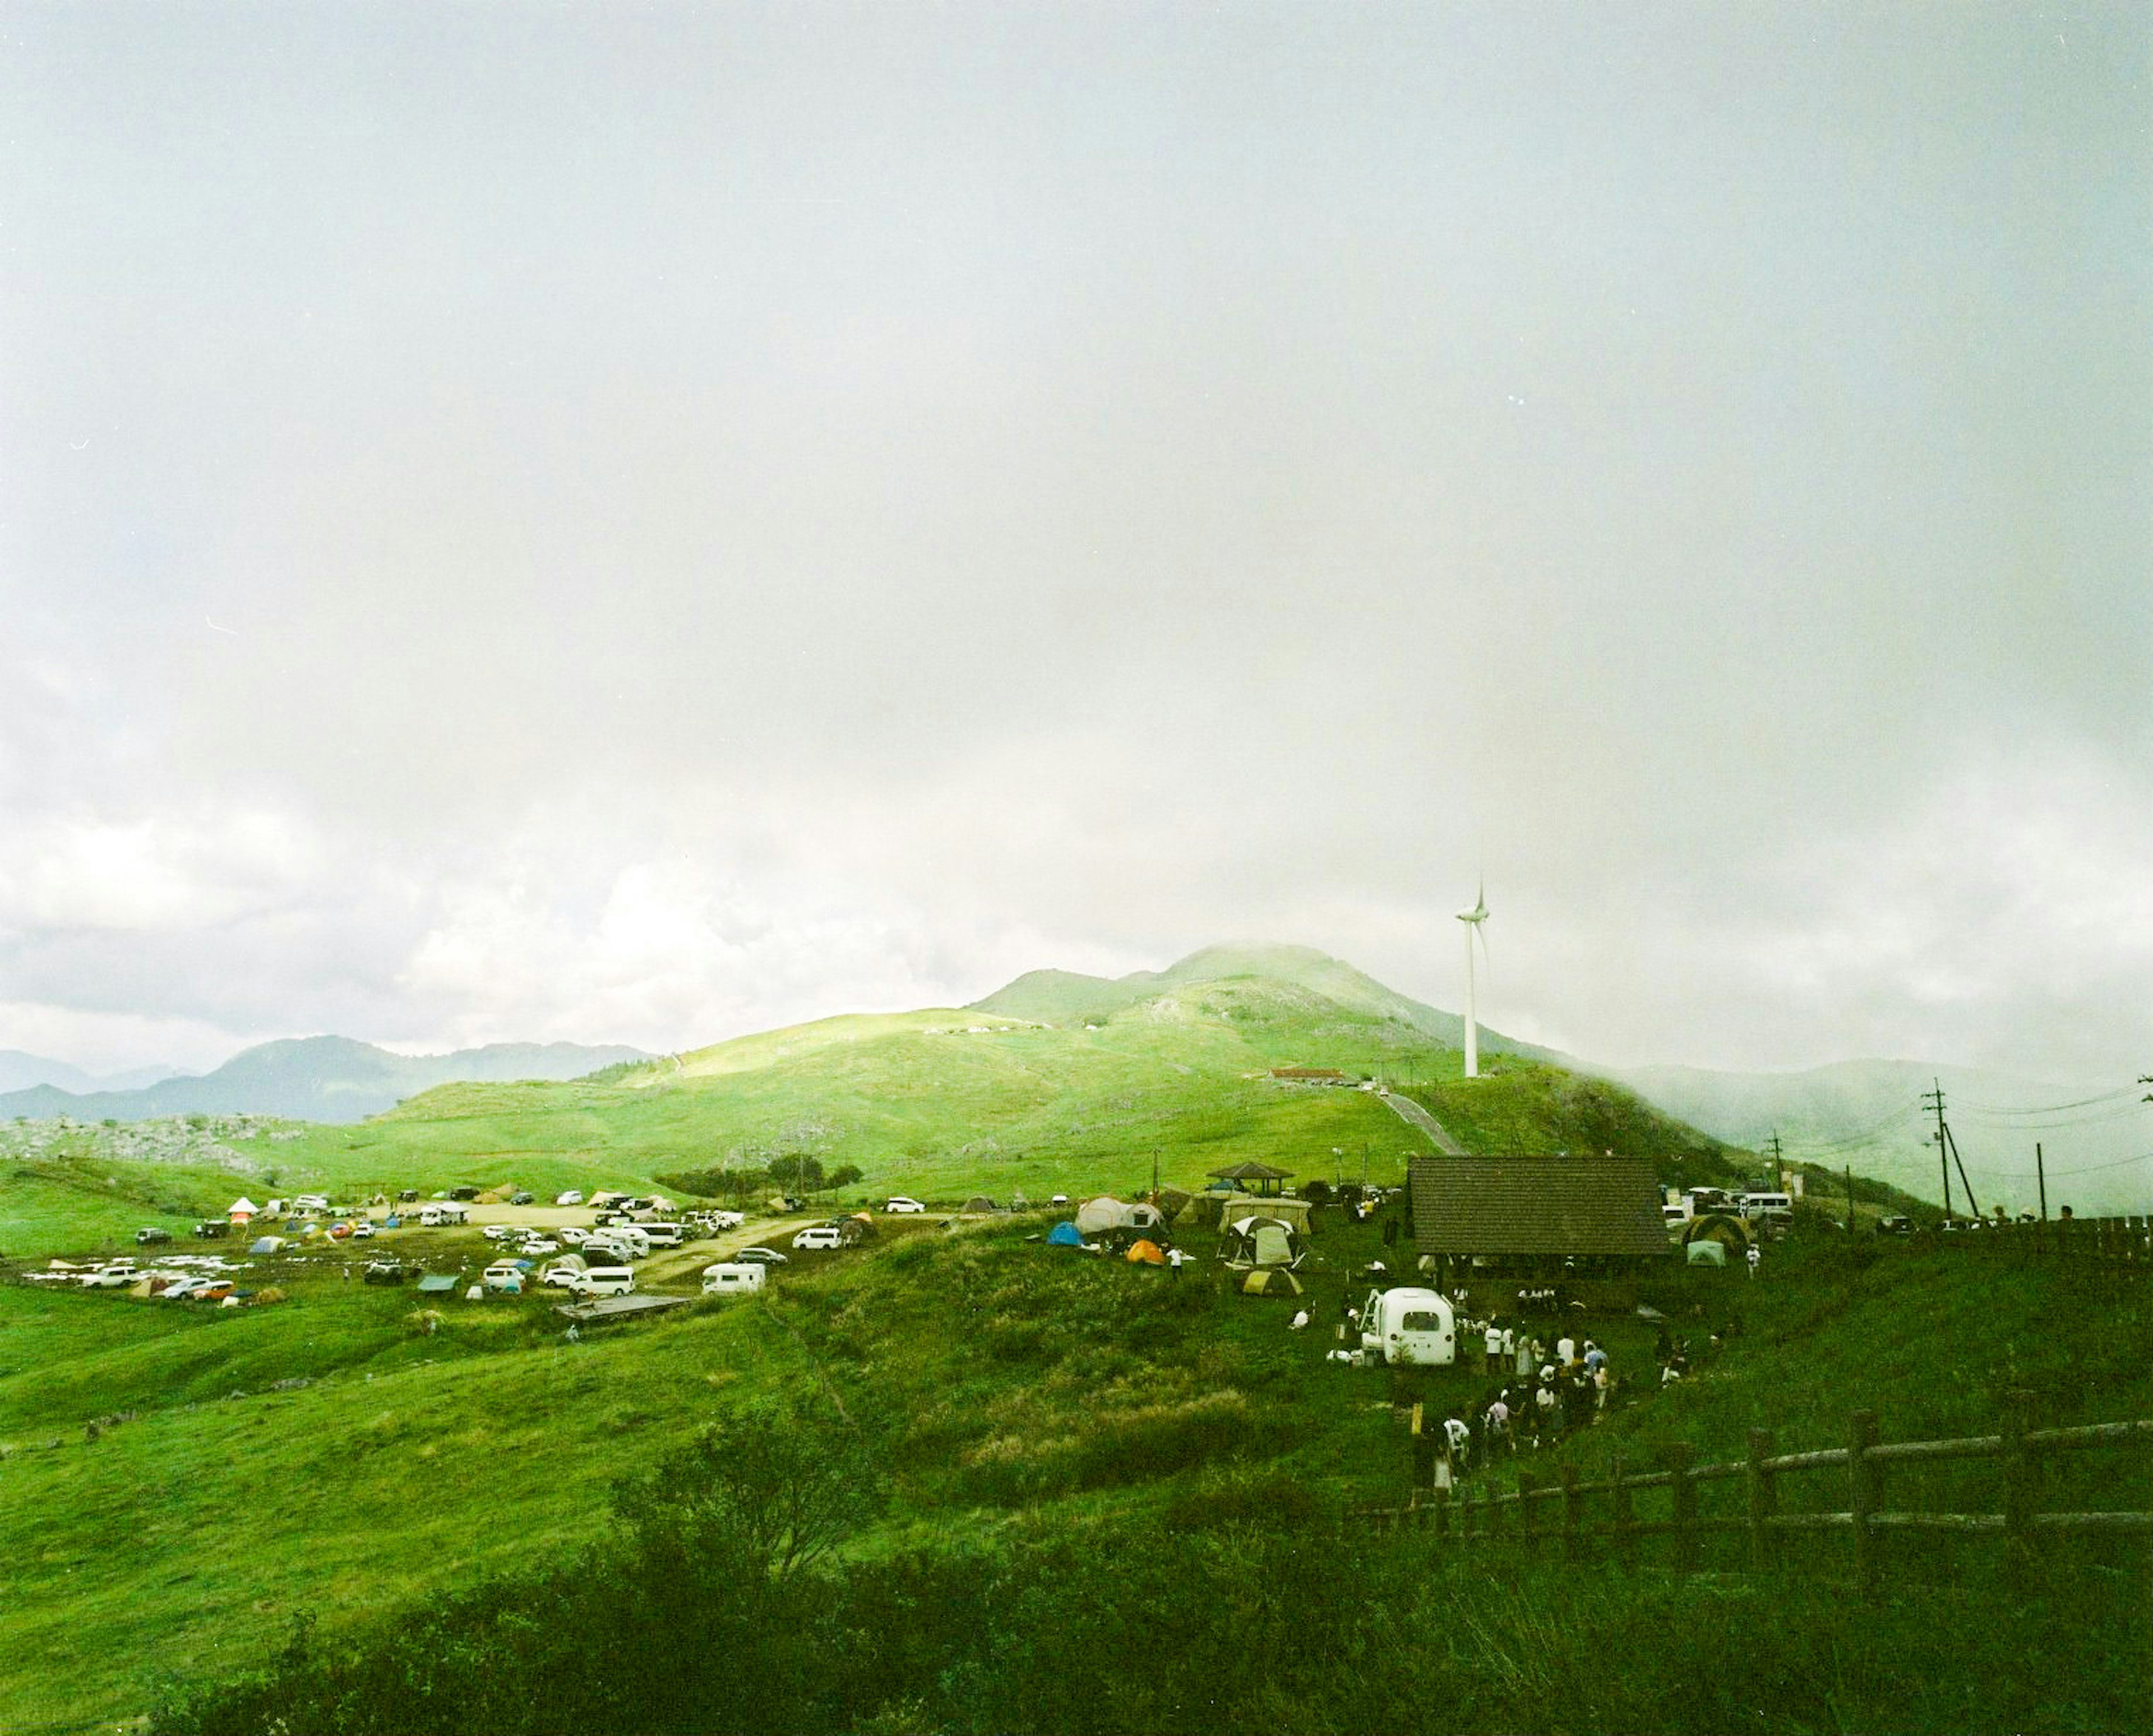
(997, 1383)
(182, 1483)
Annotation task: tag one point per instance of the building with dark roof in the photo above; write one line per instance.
(1537, 1217)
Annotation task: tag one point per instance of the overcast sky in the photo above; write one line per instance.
(642, 524)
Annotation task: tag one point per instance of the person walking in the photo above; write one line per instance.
(1756, 1258)
(1458, 1437)
(1491, 1345)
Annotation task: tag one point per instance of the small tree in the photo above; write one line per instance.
(845, 1175)
(767, 1489)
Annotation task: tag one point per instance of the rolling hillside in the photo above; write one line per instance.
(946, 1103)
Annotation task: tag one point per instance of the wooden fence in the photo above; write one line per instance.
(2125, 1242)
(1553, 1513)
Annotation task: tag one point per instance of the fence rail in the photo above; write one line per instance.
(2124, 1241)
(1540, 1510)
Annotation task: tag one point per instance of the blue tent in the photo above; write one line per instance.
(1064, 1235)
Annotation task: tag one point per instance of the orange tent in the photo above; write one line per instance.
(1145, 1253)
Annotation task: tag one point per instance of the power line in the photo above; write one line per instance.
(2106, 1096)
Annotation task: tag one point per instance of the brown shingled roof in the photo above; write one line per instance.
(1536, 1205)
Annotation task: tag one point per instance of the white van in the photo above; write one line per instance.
(820, 1235)
(1409, 1328)
(725, 1280)
(1768, 1206)
(603, 1280)
(662, 1235)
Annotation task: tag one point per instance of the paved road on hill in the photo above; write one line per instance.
(1413, 1115)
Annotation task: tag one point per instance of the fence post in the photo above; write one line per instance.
(1626, 1538)
(1678, 1456)
(1764, 1498)
(1529, 1486)
(1862, 1481)
(1490, 1517)
(2018, 1474)
(1442, 1514)
(1570, 1502)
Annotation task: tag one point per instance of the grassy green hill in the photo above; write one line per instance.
(1021, 1406)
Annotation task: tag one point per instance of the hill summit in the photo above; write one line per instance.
(1068, 998)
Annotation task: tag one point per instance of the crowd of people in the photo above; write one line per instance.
(1546, 1391)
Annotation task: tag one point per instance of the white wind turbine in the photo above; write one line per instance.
(1473, 918)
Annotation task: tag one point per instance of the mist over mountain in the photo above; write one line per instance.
(2096, 1137)
(316, 1078)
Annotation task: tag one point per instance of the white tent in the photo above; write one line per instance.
(240, 1209)
(1104, 1213)
(1260, 1241)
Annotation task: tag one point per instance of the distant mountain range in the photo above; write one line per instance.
(311, 1078)
(19, 1071)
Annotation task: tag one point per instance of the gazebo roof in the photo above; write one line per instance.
(1250, 1171)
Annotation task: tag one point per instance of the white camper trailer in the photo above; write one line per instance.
(1409, 1328)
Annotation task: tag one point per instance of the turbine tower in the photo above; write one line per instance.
(1473, 918)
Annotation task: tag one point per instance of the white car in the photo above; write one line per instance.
(505, 1275)
(574, 1236)
(724, 1220)
(604, 1280)
(111, 1277)
(901, 1204)
(820, 1235)
(574, 1196)
(537, 1247)
(562, 1274)
(499, 1232)
(362, 1229)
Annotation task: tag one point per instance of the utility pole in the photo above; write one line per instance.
(2041, 1181)
(1779, 1167)
(1935, 1100)
(1849, 1198)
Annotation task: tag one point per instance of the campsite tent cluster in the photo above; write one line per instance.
(1260, 1252)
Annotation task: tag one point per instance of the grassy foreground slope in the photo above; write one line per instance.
(1062, 1441)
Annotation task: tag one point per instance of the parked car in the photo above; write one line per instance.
(383, 1271)
(499, 1232)
(519, 1199)
(819, 1235)
(734, 1278)
(537, 1247)
(466, 1192)
(107, 1277)
(1896, 1224)
(573, 1235)
(506, 1275)
(179, 1289)
(150, 1233)
(727, 1220)
(362, 1229)
(408, 1195)
(604, 1280)
(213, 1290)
(562, 1274)
(574, 1196)
(761, 1256)
(211, 1227)
(901, 1203)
